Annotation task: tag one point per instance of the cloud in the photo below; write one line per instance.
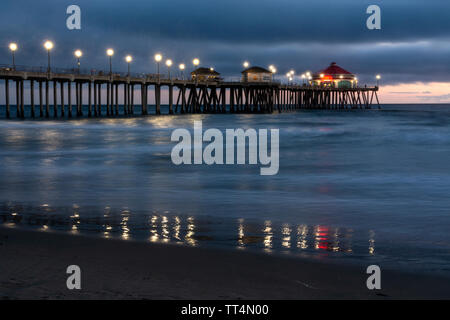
(413, 44)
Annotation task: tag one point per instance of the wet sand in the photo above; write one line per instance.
(33, 266)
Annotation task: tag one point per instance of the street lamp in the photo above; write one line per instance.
(78, 54)
(195, 62)
(292, 72)
(378, 77)
(168, 64)
(110, 53)
(182, 67)
(158, 58)
(49, 46)
(13, 48)
(246, 64)
(128, 59)
(273, 70)
(303, 78)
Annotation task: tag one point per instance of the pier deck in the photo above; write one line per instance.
(57, 87)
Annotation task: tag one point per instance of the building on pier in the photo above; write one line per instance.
(205, 74)
(335, 77)
(256, 74)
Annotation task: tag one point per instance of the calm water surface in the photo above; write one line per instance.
(371, 185)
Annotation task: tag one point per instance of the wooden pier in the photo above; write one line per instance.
(184, 96)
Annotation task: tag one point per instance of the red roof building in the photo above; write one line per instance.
(334, 76)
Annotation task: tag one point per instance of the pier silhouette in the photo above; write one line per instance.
(192, 96)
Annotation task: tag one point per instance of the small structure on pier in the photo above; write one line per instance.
(205, 74)
(335, 77)
(256, 74)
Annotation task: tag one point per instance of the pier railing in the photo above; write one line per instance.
(7, 69)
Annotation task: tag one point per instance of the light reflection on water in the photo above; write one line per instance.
(200, 231)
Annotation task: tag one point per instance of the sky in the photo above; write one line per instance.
(411, 51)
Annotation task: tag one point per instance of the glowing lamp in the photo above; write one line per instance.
(13, 46)
(48, 45)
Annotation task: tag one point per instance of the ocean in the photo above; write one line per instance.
(352, 186)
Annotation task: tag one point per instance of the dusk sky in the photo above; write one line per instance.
(411, 51)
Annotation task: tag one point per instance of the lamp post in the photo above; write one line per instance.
(110, 53)
(246, 64)
(182, 67)
(13, 48)
(273, 70)
(48, 45)
(78, 54)
(196, 62)
(158, 58)
(378, 77)
(128, 59)
(169, 64)
(303, 78)
(292, 72)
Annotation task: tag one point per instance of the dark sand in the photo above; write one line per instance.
(33, 266)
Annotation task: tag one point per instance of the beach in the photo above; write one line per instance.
(33, 266)
(354, 189)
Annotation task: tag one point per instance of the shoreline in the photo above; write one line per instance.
(34, 267)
